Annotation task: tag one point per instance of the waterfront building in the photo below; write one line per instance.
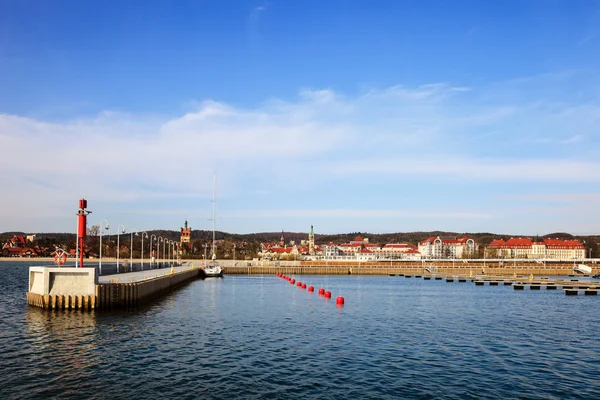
(547, 248)
(331, 251)
(360, 240)
(360, 249)
(348, 249)
(185, 233)
(448, 247)
(366, 255)
(356, 245)
(20, 246)
(396, 250)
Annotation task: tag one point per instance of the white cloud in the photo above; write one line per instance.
(400, 133)
(509, 170)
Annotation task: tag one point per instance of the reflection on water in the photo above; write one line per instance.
(68, 337)
(259, 336)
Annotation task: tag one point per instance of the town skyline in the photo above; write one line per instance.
(396, 116)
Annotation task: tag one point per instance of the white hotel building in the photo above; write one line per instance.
(555, 249)
(451, 247)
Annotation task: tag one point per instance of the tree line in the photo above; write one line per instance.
(247, 246)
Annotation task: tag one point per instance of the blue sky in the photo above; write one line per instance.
(377, 116)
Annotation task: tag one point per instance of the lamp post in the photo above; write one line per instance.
(165, 241)
(234, 254)
(175, 244)
(142, 261)
(118, 243)
(158, 240)
(105, 227)
(131, 248)
(172, 252)
(153, 259)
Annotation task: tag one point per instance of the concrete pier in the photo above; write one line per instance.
(397, 268)
(82, 289)
(72, 288)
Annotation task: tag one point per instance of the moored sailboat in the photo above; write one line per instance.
(213, 269)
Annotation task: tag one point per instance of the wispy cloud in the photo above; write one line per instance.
(256, 11)
(500, 169)
(353, 213)
(400, 135)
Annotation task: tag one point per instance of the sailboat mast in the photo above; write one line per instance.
(213, 217)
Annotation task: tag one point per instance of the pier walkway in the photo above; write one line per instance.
(139, 276)
(82, 288)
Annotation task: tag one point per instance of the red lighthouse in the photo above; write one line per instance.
(81, 229)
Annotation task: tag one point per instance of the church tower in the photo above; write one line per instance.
(282, 240)
(311, 241)
(185, 233)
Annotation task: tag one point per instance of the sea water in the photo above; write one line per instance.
(260, 337)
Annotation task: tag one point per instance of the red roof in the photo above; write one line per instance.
(524, 243)
(519, 242)
(365, 251)
(281, 250)
(563, 244)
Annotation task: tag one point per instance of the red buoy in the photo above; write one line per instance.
(339, 300)
(292, 281)
(299, 284)
(321, 291)
(327, 295)
(304, 286)
(311, 288)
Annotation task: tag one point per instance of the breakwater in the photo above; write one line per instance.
(407, 268)
(120, 291)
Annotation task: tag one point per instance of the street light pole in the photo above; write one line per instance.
(164, 254)
(131, 249)
(152, 259)
(172, 250)
(158, 240)
(105, 227)
(118, 243)
(234, 254)
(146, 234)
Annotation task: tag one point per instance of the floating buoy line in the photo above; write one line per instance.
(321, 292)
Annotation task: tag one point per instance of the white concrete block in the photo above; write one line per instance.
(63, 281)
